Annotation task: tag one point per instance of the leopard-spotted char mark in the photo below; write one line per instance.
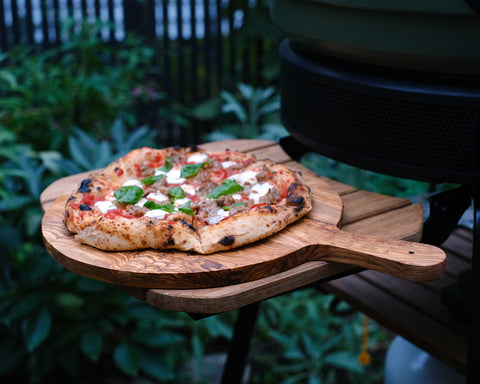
(85, 186)
(227, 240)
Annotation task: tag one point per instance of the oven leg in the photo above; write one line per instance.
(473, 368)
(240, 344)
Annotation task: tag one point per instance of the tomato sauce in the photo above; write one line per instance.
(89, 200)
(113, 213)
(138, 170)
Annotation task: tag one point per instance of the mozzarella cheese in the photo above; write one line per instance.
(197, 158)
(221, 214)
(158, 213)
(246, 177)
(179, 202)
(228, 164)
(133, 182)
(236, 196)
(259, 190)
(190, 189)
(173, 177)
(104, 206)
(157, 196)
(141, 202)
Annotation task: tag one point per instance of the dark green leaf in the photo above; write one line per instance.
(69, 301)
(128, 358)
(152, 179)
(91, 344)
(156, 368)
(165, 207)
(167, 166)
(228, 207)
(190, 170)
(345, 360)
(185, 208)
(130, 194)
(176, 193)
(227, 187)
(36, 328)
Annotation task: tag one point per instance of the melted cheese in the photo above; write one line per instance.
(197, 158)
(190, 189)
(236, 196)
(141, 202)
(133, 182)
(158, 213)
(157, 196)
(259, 190)
(246, 177)
(221, 214)
(173, 177)
(179, 202)
(104, 206)
(228, 164)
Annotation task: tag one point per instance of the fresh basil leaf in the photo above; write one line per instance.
(152, 179)
(227, 187)
(130, 194)
(176, 193)
(190, 170)
(185, 208)
(164, 207)
(228, 207)
(168, 165)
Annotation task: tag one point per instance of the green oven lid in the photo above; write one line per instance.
(440, 36)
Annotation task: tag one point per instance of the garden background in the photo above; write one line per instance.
(83, 82)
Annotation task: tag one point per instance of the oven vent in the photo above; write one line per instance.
(398, 125)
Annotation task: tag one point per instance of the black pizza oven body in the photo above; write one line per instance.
(398, 122)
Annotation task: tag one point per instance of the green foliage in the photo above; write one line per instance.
(363, 179)
(88, 153)
(307, 344)
(249, 113)
(55, 324)
(82, 83)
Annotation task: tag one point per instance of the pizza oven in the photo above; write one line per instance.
(392, 87)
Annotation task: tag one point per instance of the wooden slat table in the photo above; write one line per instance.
(364, 212)
(416, 311)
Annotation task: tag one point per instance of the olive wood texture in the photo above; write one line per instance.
(315, 237)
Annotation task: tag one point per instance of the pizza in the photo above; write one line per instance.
(187, 199)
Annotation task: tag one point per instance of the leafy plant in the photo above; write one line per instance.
(81, 83)
(89, 153)
(59, 325)
(250, 113)
(305, 343)
(364, 179)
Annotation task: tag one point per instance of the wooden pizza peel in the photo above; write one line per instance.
(315, 237)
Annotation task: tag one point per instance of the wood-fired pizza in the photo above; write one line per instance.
(185, 198)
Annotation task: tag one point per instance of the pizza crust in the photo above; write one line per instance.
(179, 230)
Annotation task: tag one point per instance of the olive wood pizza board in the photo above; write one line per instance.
(314, 237)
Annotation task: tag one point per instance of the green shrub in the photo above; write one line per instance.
(83, 83)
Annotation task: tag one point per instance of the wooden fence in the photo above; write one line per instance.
(202, 44)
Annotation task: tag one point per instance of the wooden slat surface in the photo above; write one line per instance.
(415, 311)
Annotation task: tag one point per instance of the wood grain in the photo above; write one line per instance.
(312, 238)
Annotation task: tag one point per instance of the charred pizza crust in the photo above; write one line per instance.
(270, 198)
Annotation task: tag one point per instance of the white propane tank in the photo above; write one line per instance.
(406, 363)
